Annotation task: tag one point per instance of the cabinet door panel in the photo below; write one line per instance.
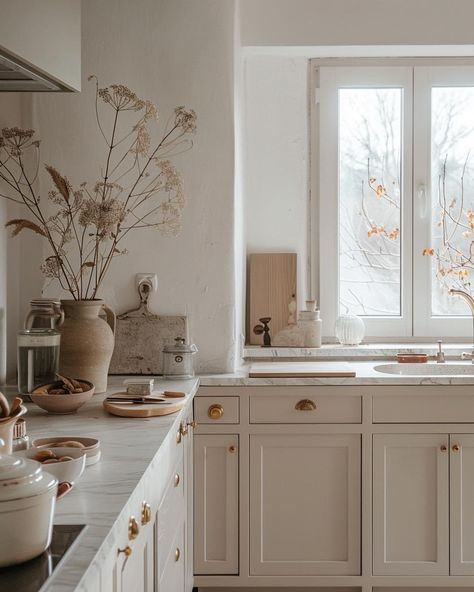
(216, 504)
(462, 504)
(136, 572)
(172, 578)
(305, 504)
(411, 504)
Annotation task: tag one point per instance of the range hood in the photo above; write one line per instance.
(16, 76)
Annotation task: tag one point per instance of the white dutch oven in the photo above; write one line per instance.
(27, 499)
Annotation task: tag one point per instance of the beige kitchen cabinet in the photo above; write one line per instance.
(136, 571)
(173, 575)
(216, 504)
(411, 504)
(305, 504)
(462, 504)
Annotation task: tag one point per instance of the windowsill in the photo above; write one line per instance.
(372, 351)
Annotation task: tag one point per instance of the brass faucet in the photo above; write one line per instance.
(470, 300)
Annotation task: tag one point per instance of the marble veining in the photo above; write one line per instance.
(130, 448)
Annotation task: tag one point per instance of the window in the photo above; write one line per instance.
(393, 166)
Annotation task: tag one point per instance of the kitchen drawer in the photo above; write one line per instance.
(423, 409)
(305, 409)
(170, 513)
(216, 409)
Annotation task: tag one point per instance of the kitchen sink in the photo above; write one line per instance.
(429, 369)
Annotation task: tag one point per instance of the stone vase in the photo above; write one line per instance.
(87, 341)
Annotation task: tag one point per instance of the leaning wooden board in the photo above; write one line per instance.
(302, 370)
(144, 410)
(140, 337)
(272, 287)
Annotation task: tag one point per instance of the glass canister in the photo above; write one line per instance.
(45, 313)
(178, 359)
(38, 358)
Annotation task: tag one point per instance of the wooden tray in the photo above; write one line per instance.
(143, 410)
(302, 370)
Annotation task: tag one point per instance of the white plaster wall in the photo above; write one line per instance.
(275, 148)
(174, 52)
(356, 22)
(45, 34)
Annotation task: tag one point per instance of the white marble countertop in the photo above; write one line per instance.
(128, 447)
(365, 375)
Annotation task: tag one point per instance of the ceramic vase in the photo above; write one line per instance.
(349, 330)
(87, 341)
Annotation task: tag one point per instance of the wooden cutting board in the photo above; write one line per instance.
(144, 410)
(302, 370)
(140, 336)
(271, 289)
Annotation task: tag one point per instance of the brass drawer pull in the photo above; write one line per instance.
(127, 551)
(232, 448)
(305, 405)
(146, 513)
(133, 528)
(177, 554)
(443, 448)
(215, 411)
(192, 424)
(456, 448)
(176, 480)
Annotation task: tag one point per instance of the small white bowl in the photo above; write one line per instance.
(91, 445)
(68, 470)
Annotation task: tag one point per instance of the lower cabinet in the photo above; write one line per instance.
(423, 522)
(216, 504)
(136, 571)
(305, 504)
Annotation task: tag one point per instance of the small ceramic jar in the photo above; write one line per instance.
(178, 359)
(27, 501)
(349, 330)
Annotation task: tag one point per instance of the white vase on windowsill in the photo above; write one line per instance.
(349, 330)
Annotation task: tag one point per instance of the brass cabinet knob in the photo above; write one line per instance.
(232, 448)
(443, 448)
(456, 448)
(177, 479)
(215, 411)
(179, 436)
(133, 528)
(146, 513)
(127, 551)
(305, 405)
(192, 424)
(177, 554)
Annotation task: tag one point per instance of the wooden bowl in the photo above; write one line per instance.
(62, 404)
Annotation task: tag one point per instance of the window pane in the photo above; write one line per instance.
(452, 197)
(370, 148)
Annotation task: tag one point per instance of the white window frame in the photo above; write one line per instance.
(415, 76)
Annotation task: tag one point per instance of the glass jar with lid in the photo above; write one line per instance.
(178, 359)
(45, 313)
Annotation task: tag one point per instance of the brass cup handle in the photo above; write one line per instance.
(215, 411)
(456, 448)
(127, 551)
(305, 405)
(133, 528)
(177, 554)
(146, 513)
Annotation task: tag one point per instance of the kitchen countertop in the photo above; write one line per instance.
(365, 375)
(128, 447)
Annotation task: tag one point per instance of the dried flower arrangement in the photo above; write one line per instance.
(454, 259)
(85, 227)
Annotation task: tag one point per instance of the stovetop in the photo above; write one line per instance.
(31, 575)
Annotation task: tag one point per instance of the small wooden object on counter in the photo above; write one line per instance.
(412, 358)
(272, 288)
(128, 409)
(141, 335)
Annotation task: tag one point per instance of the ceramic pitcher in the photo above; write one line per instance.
(87, 341)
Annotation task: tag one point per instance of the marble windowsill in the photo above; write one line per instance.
(368, 351)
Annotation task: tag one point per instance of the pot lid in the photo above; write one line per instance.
(180, 347)
(22, 477)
